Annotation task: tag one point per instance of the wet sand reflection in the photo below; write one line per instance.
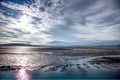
(22, 75)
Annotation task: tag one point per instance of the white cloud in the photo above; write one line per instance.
(40, 23)
(24, 25)
(93, 33)
(101, 22)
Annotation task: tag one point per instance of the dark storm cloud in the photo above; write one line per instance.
(117, 3)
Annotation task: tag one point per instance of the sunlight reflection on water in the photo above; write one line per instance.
(22, 60)
(22, 75)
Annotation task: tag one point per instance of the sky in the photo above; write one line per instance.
(44, 21)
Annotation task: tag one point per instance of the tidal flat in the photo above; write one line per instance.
(29, 62)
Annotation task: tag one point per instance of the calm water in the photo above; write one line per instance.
(23, 63)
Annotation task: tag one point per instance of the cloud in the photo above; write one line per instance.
(91, 21)
(68, 20)
(22, 29)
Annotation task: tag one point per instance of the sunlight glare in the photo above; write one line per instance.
(24, 20)
(24, 23)
(22, 75)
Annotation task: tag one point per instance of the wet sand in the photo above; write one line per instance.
(57, 62)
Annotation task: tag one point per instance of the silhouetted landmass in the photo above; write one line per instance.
(15, 44)
(66, 44)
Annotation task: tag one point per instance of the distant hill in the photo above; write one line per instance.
(16, 44)
(63, 43)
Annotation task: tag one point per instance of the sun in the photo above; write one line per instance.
(24, 23)
(24, 20)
